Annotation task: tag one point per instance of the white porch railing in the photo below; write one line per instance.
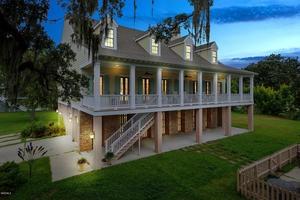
(146, 100)
(222, 98)
(191, 98)
(115, 102)
(235, 98)
(89, 101)
(171, 99)
(208, 98)
(247, 97)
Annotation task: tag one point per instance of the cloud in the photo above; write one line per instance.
(245, 61)
(254, 13)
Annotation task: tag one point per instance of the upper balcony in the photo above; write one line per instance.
(129, 87)
(118, 102)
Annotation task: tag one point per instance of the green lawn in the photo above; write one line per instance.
(199, 172)
(17, 121)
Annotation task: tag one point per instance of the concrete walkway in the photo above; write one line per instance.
(293, 175)
(65, 165)
(55, 146)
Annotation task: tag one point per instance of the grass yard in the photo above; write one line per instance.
(200, 172)
(17, 121)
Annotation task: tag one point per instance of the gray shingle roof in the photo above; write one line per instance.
(178, 40)
(129, 50)
(204, 46)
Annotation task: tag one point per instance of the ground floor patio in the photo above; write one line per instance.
(65, 165)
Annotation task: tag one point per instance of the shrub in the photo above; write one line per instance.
(55, 130)
(273, 102)
(10, 177)
(37, 130)
(82, 161)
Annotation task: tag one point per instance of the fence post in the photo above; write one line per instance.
(238, 181)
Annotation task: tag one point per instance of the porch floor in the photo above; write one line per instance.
(173, 142)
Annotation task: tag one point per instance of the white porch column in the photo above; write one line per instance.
(97, 142)
(132, 86)
(229, 87)
(223, 86)
(215, 87)
(181, 86)
(251, 87)
(97, 79)
(158, 86)
(241, 86)
(200, 86)
(97, 85)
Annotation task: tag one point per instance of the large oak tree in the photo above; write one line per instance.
(32, 66)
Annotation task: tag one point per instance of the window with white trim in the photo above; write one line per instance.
(109, 40)
(214, 57)
(188, 52)
(154, 47)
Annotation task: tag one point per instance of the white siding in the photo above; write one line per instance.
(82, 57)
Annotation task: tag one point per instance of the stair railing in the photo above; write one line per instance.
(132, 132)
(121, 130)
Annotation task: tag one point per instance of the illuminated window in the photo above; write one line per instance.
(101, 86)
(220, 88)
(154, 47)
(124, 86)
(146, 86)
(188, 52)
(214, 57)
(195, 87)
(164, 86)
(207, 87)
(109, 40)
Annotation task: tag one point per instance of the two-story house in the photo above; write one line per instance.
(140, 88)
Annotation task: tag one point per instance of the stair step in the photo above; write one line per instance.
(10, 136)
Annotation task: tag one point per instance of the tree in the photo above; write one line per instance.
(275, 71)
(22, 32)
(80, 13)
(54, 64)
(30, 64)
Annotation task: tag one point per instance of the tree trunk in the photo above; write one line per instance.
(32, 114)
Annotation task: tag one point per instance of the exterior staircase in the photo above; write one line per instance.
(128, 134)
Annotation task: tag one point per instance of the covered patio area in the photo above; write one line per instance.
(173, 142)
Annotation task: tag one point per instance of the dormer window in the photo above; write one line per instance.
(109, 40)
(214, 57)
(188, 52)
(154, 47)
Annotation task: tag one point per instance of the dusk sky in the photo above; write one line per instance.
(241, 28)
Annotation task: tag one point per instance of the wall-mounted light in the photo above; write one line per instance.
(92, 135)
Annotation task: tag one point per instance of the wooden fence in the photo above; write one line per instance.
(249, 179)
